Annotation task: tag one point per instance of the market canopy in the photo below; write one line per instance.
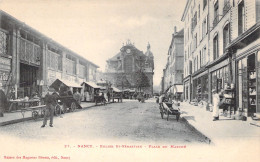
(91, 84)
(178, 88)
(68, 83)
(116, 89)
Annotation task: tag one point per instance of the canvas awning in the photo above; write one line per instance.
(68, 83)
(116, 89)
(91, 84)
(178, 88)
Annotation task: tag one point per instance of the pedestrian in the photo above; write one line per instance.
(161, 99)
(216, 103)
(108, 96)
(3, 101)
(50, 102)
(77, 96)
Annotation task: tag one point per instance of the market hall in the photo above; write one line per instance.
(30, 61)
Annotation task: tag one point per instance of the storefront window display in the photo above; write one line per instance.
(220, 78)
(247, 85)
(204, 88)
(258, 82)
(200, 88)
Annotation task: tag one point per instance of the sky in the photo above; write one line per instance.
(97, 29)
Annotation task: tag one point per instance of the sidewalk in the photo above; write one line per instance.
(223, 129)
(18, 116)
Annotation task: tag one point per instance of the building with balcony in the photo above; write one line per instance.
(196, 46)
(30, 61)
(244, 52)
(173, 75)
(231, 58)
(122, 68)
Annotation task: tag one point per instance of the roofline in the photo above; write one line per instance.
(44, 37)
(185, 10)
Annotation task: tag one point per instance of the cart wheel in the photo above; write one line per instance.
(73, 106)
(42, 113)
(178, 117)
(168, 115)
(57, 110)
(34, 115)
(161, 114)
(63, 109)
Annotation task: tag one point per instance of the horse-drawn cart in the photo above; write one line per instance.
(66, 104)
(66, 101)
(117, 94)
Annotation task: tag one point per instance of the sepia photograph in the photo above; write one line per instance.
(133, 80)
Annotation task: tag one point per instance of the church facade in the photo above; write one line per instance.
(121, 69)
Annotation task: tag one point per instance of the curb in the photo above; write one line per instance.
(15, 121)
(30, 118)
(207, 139)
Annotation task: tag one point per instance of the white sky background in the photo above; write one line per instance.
(96, 29)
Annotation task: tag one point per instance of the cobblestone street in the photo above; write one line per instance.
(130, 120)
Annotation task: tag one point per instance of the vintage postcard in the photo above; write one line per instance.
(136, 80)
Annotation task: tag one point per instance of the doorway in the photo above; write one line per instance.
(28, 80)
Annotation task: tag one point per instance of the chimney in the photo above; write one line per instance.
(175, 29)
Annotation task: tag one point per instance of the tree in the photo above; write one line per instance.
(122, 81)
(141, 80)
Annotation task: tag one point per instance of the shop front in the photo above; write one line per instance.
(221, 81)
(90, 89)
(186, 90)
(248, 81)
(200, 86)
(246, 53)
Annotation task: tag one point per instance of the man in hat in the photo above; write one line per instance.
(3, 101)
(50, 102)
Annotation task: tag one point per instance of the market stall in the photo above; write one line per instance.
(89, 91)
(66, 99)
(117, 94)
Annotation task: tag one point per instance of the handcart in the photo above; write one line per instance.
(168, 109)
(100, 99)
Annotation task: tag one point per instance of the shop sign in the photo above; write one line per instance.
(5, 63)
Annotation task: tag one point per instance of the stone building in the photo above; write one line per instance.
(221, 44)
(173, 72)
(30, 61)
(121, 69)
